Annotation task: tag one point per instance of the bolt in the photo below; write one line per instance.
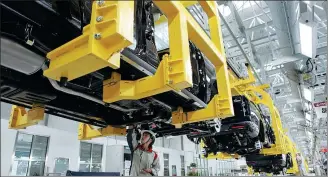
(100, 2)
(99, 18)
(170, 68)
(170, 82)
(97, 36)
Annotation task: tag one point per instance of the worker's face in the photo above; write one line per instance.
(145, 138)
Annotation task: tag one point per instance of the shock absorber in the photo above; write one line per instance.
(258, 145)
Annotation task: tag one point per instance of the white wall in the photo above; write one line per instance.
(63, 142)
(7, 146)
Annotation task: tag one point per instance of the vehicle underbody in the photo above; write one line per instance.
(28, 35)
(270, 163)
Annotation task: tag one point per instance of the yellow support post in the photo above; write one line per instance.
(110, 30)
(20, 118)
(86, 132)
(291, 148)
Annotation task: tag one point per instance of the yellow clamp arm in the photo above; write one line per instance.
(87, 132)
(20, 118)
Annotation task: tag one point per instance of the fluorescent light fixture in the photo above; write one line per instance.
(307, 2)
(308, 116)
(306, 39)
(319, 7)
(225, 10)
(307, 94)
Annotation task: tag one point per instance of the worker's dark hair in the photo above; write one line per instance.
(152, 142)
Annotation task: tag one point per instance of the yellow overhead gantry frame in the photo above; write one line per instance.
(95, 49)
(108, 33)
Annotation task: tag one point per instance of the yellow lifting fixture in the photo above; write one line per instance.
(182, 27)
(113, 21)
(174, 71)
(87, 132)
(110, 30)
(20, 118)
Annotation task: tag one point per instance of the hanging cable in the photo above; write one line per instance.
(308, 61)
(81, 6)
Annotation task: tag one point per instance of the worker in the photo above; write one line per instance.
(299, 161)
(145, 161)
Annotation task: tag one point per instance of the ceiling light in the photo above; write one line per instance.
(307, 94)
(225, 10)
(306, 39)
(319, 7)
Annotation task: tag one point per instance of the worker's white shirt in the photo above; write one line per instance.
(143, 159)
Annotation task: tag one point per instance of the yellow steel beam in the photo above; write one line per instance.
(239, 85)
(161, 20)
(110, 30)
(188, 3)
(292, 150)
(20, 118)
(221, 104)
(87, 132)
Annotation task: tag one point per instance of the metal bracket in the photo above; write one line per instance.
(217, 125)
(216, 108)
(110, 30)
(28, 38)
(20, 118)
(238, 86)
(87, 132)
